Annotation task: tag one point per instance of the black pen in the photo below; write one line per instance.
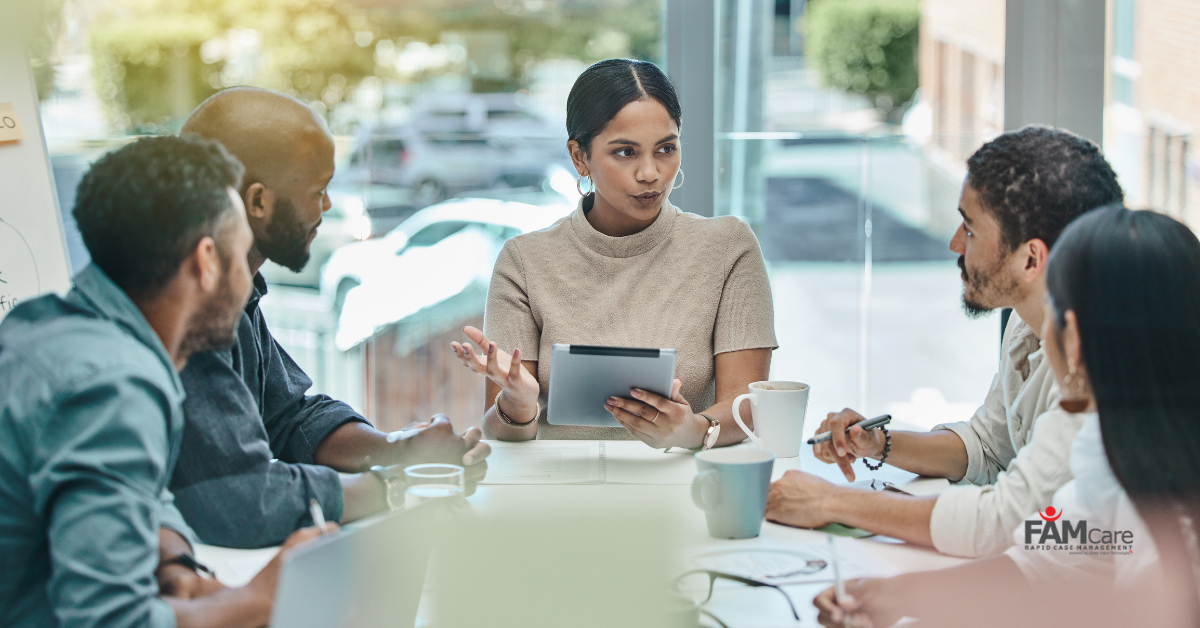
(878, 421)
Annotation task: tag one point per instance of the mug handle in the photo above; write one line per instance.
(737, 417)
(706, 490)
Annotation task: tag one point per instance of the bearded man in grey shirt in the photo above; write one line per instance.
(1021, 191)
(256, 447)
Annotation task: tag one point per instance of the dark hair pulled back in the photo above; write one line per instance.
(606, 87)
(1132, 278)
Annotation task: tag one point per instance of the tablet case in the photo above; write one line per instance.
(582, 377)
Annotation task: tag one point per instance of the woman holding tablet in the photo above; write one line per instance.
(627, 269)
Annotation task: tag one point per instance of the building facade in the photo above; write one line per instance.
(1152, 104)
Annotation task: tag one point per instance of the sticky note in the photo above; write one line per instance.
(10, 126)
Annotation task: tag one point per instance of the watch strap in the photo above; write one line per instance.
(188, 561)
(711, 435)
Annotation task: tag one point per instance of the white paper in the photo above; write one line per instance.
(544, 462)
(587, 462)
(774, 562)
(634, 462)
(234, 567)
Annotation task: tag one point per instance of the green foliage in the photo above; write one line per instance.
(866, 47)
(48, 16)
(587, 30)
(148, 72)
(320, 50)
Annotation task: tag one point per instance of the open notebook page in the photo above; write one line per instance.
(634, 462)
(545, 462)
(587, 462)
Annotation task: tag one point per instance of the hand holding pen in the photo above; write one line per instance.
(848, 440)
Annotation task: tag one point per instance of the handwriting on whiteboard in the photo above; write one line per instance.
(10, 125)
(19, 278)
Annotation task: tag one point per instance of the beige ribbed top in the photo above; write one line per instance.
(698, 285)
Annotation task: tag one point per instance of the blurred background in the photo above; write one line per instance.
(839, 131)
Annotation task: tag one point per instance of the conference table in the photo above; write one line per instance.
(736, 606)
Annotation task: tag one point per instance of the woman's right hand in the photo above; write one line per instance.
(519, 385)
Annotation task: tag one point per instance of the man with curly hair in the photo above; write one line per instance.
(91, 404)
(1021, 191)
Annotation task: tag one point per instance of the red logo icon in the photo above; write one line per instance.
(1050, 514)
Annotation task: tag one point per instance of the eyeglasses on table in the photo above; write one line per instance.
(693, 580)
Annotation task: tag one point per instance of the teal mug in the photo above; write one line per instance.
(731, 488)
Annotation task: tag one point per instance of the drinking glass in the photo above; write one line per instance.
(427, 482)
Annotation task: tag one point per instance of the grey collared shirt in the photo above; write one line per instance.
(246, 469)
(91, 419)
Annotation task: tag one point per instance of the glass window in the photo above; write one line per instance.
(466, 102)
(387, 152)
(846, 153)
(502, 115)
(435, 233)
(1124, 68)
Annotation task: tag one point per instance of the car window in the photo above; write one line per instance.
(386, 151)
(456, 139)
(495, 115)
(500, 231)
(436, 232)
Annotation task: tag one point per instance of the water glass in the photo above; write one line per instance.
(427, 482)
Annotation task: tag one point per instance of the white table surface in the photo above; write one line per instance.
(738, 607)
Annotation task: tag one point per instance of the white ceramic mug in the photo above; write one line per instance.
(779, 409)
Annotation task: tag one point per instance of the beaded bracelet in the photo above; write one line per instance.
(887, 448)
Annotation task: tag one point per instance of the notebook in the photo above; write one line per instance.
(587, 462)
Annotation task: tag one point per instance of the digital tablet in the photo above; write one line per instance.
(582, 377)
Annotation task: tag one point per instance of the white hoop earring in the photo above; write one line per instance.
(681, 178)
(579, 186)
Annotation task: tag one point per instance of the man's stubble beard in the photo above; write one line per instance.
(286, 241)
(215, 325)
(983, 291)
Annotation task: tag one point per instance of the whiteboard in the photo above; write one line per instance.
(33, 254)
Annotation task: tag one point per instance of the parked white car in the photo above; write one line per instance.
(432, 256)
(357, 212)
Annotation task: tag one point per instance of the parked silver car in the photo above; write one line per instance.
(458, 143)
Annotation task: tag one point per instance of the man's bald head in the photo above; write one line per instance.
(271, 133)
(288, 154)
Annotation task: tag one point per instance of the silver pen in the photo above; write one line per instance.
(318, 515)
(839, 587)
(878, 421)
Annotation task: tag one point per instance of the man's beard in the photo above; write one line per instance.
(286, 241)
(215, 324)
(976, 286)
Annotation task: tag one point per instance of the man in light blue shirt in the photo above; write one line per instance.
(91, 401)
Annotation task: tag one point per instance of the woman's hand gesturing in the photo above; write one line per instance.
(519, 385)
(658, 421)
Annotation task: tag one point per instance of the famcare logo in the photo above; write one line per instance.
(1057, 534)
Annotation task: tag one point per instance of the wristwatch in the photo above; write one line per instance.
(714, 430)
(189, 562)
(393, 487)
